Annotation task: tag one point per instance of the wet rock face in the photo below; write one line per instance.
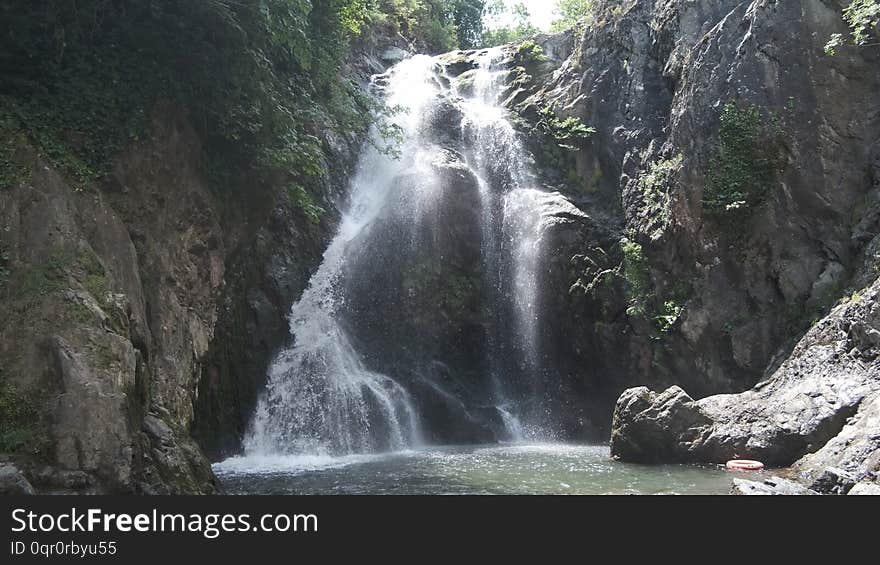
(109, 307)
(831, 376)
(653, 79)
(415, 304)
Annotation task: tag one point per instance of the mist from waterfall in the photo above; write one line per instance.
(322, 397)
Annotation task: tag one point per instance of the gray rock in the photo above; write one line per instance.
(855, 450)
(834, 481)
(802, 406)
(865, 489)
(13, 482)
(651, 427)
(772, 486)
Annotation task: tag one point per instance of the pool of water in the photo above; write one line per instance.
(496, 469)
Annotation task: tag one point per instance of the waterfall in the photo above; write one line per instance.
(339, 389)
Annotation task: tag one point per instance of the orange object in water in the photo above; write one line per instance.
(744, 465)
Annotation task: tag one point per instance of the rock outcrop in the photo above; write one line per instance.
(140, 310)
(722, 292)
(774, 486)
(832, 375)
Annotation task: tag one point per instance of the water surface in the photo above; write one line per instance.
(496, 469)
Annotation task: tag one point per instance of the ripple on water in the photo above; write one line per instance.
(497, 469)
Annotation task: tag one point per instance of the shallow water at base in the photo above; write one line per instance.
(496, 469)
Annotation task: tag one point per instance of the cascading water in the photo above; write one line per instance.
(324, 393)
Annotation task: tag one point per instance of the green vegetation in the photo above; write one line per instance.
(569, 133)
(305, 203)
(863, 19)
(637, 274)
(570, 13)
(11, 170)
(259, 79)
(528, 53)
(18, 415)
(642, 298)
(742, 170)
(436, 25)
(48, 277)
(656, 185)
(519, 24)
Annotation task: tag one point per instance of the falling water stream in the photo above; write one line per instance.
(332, 413)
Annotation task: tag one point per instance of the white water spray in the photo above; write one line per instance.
(320, 397)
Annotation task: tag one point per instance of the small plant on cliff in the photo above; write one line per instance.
(17, 414)
(11, 138)
(4, 266)
(669, 315)
(863, 18)
(529, 52)
(569, 133)
(304, 202)
(656, 185)
(637, 274)
(571, 13)
(742, 170)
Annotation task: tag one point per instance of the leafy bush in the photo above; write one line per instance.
(259, 79)
(668, 316)
(528, 52)
(637, 274)
(511, 24)
(568, 133)
(570, 13)
(742, 170)
(862, 17)
(436, 25)
(305, 203)
(656, 184)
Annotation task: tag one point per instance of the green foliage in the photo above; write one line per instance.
(11, 139)
(438, 25)
(259, 79)
(668, 316)
(528, 52)
(520, 28)
(656, 185)
(742, 170)
(305, 203)
(18, 413)
(570, 13)
(637, 274)
(48, 277)
(863, 18)
(569, 133)
(641, 296)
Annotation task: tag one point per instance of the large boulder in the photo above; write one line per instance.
(855, 451)
(774, 486)
(832, 372)
(12, 481)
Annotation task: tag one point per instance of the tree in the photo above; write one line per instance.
(468, 17)
(511, 33)
(570, 13)
(863, 18)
